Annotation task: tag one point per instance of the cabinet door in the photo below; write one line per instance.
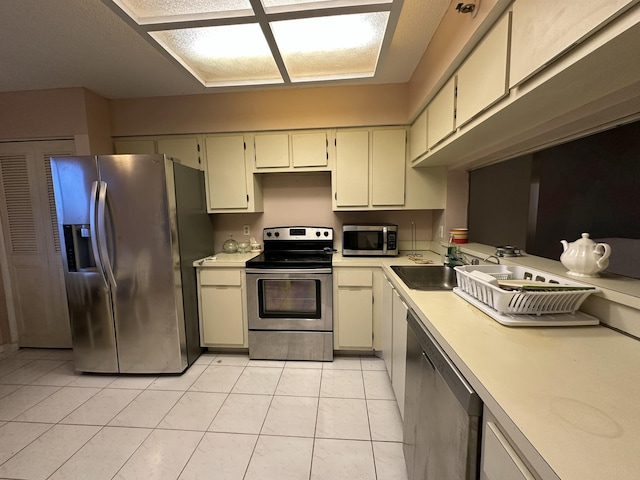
(134, 146)
(388, 155)
(355, 318)
(309, 149)
(499, 461)
(272, 150)
(221, 313)
(440, 114)
(399, 351)
(352, 169)
(226, 172)
(482, 78)
(387, 324)
(418, 136)
(186, 150)
(545, 29)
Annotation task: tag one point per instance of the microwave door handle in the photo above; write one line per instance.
(104, 253)
(94, 231)
(385, 234)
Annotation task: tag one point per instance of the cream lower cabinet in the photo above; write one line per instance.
(399, 349)
(499, 460)
(353, 308)
(222, 301)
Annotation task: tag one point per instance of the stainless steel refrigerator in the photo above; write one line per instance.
(131, 227)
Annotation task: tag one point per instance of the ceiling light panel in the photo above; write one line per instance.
(154, 11)
(331, 47)
(270, 4)
(223, 55)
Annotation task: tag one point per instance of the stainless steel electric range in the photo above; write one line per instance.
(290, 295)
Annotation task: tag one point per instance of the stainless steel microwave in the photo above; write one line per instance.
(369, 240)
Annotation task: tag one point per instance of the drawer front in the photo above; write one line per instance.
(219, 276)
(355, 278)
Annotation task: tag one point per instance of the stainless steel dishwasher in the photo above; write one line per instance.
(442, 412)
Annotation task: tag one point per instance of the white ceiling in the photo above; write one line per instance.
(82, 43)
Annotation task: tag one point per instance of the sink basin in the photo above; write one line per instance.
(420, 277)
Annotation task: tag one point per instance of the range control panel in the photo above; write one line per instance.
(297, 233)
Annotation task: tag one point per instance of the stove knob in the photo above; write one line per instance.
(277, 234)
(268, 234)
(317, 234)
(326, 233)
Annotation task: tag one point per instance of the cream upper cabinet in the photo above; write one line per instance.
(388, 157)
(222, 301)
(353, 309)
(184, 148)
(545, 29)
(352, 169)
(441, 114)
(418, 136)
(482, 78)
(231, 187)
(291, 151)
(271, 150)
(370, 169)
(309, 149)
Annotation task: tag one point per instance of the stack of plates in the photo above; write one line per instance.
(459, 235)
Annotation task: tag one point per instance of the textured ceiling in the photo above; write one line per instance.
(83, 43)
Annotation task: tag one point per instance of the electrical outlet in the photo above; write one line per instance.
(246, 230)
(441, 231)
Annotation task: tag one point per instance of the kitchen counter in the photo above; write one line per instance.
(567, 396)
(225, 260)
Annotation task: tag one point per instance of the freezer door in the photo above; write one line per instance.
(142, 250)
(75, 183)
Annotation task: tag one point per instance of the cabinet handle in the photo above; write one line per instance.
(335, 195)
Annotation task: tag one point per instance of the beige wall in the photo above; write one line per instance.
(98, 123)
(318, 107)
(305, 199)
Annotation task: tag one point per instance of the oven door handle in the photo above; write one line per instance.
(280, 271)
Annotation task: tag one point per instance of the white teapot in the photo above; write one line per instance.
(584, 257)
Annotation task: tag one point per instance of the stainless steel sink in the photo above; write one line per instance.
(425, 277)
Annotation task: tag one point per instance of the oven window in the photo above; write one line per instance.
(295, 298)
(363, 240)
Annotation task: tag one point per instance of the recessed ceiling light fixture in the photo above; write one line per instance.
(227, 43)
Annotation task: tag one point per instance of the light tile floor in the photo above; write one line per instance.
(227, 417)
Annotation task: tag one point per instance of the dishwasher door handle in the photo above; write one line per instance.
(426, 357)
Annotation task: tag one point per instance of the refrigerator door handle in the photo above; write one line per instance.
(104, 254)
(94, 232)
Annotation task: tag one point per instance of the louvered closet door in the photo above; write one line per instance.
(32, 243)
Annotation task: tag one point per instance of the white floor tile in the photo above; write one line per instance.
(273, 459)
(389, 460)
(258, 380)
(205, 359)
(267, 363)
(377, 385)
(194, 411)
(61, 376)
(291, 416)
(102, 407)
(58, 405)
(135, 382)
(217, 378)
(304, 364)
(344, 418)
(178, 382)
(31, 371)
(241, 414)
(373, 363)
(226, 454)
(93, 380)
(11, 364)
(385, 420)
(14, 436)
(7, 389)
(57, 354)
(103, 455)
(342, 459)
(23, 399)
(299, 382)
(230, 359)
(147, 410)
(162, 456)
(343, 363)
(342, 384)
(47, 453)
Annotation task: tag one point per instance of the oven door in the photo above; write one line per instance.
(290, 299)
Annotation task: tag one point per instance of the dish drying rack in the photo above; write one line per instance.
(556, 305)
